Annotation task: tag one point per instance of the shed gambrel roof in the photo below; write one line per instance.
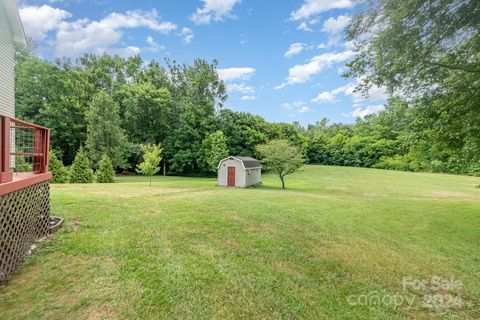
(248, 162)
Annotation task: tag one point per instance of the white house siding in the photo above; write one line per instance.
(7, 93)
(239, 173)
(253, 176)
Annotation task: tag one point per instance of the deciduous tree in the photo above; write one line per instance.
(215, 149)
(151, 160)
(281, 157)
(104, 134)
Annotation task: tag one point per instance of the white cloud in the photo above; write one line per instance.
(213, 9)
(75, 38)
(304, 26)
(153, 46)
(360, 112)
(336, 25)
(300, 106)
(304, 109)
(374, 94)
(324, 97)
(342, 69)
(39, 20)
(187, 35)
(330, 96)
(229, 74)
(150, 40)
(294, 49)
(234, 78)
(125, 52)
(239, 88)
(350, 45)
(301, 73)
(313, 7)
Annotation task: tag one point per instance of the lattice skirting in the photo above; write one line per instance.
(24, 216)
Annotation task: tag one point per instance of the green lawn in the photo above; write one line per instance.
(185, 248)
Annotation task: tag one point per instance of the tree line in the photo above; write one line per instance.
(112, 105)
(425, 53)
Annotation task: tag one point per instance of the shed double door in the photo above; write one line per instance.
(230, 176)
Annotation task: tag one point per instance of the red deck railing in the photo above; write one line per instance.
(24, 154)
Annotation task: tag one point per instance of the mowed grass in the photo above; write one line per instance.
(187, 249)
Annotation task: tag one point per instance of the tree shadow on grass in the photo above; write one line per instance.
(269, 187)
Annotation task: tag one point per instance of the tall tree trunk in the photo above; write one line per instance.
(283, 182)
(164, 167)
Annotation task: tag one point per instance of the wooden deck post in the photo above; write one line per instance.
(5, 173)
(37, 150)
(46, 151)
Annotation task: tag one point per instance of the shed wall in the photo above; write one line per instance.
(239, 173)
(7, 93)
(253, 176)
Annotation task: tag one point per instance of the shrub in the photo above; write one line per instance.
(396, 162)
(21, 165)
(56, 167)
(474, 170)
(105, 172)
(80, 172)
(437, 166)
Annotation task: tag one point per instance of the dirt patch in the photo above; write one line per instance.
(74, 224)
(450, 194)
(337, 188)
(103, 312)
(455, 196)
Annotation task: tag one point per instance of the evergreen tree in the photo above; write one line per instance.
(80, 171)
(105, 172)
(215, 149)
(104, 135)
(21, 165)
(56, 167)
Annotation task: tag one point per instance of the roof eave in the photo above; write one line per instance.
(15, 22)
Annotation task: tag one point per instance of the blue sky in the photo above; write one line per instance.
(280, 59)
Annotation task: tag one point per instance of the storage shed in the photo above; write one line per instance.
(236, 171)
